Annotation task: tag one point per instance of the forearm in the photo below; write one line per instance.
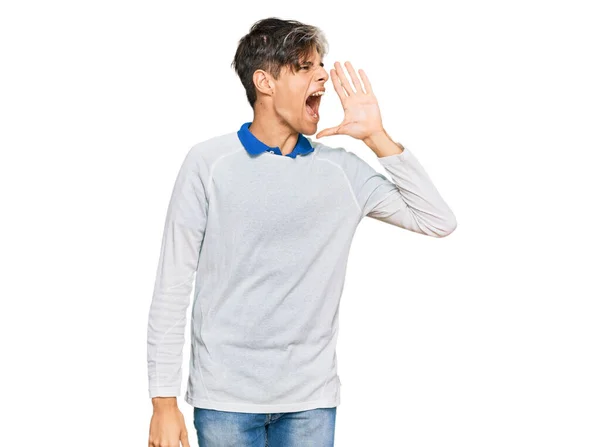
(167, 318)
(412, 201)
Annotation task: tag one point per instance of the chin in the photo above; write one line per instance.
(309, 127)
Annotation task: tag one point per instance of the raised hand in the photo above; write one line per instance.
(362, 117)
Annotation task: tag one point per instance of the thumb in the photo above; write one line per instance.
(328, 131)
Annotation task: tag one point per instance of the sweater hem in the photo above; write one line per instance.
(261, 408)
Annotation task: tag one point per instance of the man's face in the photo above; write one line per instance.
(291, 95)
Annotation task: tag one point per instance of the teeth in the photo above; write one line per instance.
(318, 94)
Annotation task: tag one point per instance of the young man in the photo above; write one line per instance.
(264, 218)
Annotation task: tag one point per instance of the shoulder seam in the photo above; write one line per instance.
(347, 181)
(214, 164)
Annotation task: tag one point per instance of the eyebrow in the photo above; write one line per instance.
(311, 64)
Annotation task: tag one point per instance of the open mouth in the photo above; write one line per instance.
(312, 105)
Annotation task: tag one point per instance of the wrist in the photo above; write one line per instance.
(164, 402)
(375, 137)
(382, 144)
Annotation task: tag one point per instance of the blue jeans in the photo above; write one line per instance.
(309, 428)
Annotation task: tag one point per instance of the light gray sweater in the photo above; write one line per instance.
(264, 240)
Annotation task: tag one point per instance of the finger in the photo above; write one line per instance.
(365, 80)
(339, 89)
(184, 441)
(355, 80)
(328, 131)
(342, 77)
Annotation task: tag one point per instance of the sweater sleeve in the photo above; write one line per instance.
(410, 200)
(180, 249)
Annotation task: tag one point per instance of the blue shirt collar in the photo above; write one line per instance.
(254, 146)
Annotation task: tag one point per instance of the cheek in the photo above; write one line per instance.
(291, 101)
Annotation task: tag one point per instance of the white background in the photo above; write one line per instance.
(489, 337)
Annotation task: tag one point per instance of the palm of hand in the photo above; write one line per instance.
(362, 116)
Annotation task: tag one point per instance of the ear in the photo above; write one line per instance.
(262, 82)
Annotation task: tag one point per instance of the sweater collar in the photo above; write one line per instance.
(254, 146)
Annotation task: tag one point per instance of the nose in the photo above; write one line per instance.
(323, 75)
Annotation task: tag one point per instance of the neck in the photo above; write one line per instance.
(274, 132)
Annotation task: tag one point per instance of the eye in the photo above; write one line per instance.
(305, 67)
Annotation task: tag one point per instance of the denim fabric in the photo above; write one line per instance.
(309, 428)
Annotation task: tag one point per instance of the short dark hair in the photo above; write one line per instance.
(272, 44)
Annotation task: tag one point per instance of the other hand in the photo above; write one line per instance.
(167, 428)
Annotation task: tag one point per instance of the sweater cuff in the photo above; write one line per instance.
(395, 157)
(164, 392)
